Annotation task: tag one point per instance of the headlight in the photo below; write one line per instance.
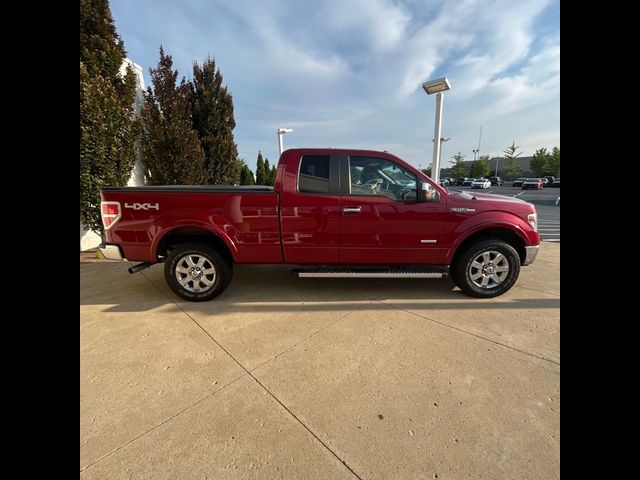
(533, 221)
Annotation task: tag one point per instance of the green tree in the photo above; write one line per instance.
(459, 169)
(554, 161)
(267, 172)
(427, 171)
(108, 128)
(272, 175)
(540, 162)
(212, 116)
(481, 168)
(246, 175)
(261, 176)
(171, 148)
(512, 168)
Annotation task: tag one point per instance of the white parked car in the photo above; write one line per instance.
(481, 183)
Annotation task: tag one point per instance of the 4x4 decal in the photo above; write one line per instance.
(143, 206)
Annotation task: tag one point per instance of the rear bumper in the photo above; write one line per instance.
(112, 252)
(530, 254)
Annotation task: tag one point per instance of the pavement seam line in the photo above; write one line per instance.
(302, 341)
(259, 383)
(393, 305)
(470, 333)
(397, 307)
(120, 447)
(540, 291)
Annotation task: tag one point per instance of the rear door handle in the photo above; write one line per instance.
(351, 210)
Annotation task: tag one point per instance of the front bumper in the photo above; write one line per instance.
(530, 254)
(112, 252)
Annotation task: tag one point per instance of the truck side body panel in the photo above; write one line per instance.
(285, 225)
(247, 222)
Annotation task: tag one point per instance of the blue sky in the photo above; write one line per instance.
(347, 73)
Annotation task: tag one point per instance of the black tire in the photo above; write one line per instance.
(465, 269)
(197, 287)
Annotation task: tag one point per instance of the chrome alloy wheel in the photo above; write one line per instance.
(195, 273)
(489, 269)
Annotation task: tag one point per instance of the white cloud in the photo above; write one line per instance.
(381, 22)
(477, 39)
(348, 72)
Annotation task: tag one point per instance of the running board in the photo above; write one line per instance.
(395, 272)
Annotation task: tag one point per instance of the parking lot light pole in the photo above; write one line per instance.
(281, 132)
(437, 86)
(473, 168)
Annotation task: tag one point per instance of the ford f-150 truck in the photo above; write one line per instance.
(332, 213)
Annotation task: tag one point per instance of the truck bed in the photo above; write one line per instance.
(195, 189)
(244, 217)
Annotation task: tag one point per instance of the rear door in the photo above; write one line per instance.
(381, 221)
(310, 209)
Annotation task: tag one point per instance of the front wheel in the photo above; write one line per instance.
(487, 269)
(197, 272)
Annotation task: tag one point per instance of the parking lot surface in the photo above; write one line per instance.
(289, 378)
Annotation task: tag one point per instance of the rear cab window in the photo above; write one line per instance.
(314, 174)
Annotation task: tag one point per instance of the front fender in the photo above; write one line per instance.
(489, 220)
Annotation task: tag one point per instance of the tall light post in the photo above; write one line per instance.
(473, 168)
(437, 86)
(281, 132)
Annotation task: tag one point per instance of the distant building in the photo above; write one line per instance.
(523, 163)
(88, 238)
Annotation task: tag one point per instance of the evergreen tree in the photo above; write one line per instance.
(171, 149)
(108, 129)
(260, 170)
(267, 173)
(214, 121)
(459, 168)
(539, 162)
(272, 175)
(512, 168)
(246, 175)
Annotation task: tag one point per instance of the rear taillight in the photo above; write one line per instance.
(111, 213)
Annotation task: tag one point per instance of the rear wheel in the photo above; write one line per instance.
(197, 272)
(487, 269)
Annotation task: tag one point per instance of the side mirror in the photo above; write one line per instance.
(427, 193)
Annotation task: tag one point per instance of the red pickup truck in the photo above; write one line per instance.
(333, 213)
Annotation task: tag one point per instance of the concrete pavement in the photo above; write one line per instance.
(289, 378)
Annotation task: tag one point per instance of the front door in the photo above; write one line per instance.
(381, 220)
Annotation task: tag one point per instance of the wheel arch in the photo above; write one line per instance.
(506, 234)
(182, 234)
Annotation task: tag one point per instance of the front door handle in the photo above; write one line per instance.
(351, 210)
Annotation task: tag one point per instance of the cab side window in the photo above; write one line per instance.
(382, 177)
(314, 174)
